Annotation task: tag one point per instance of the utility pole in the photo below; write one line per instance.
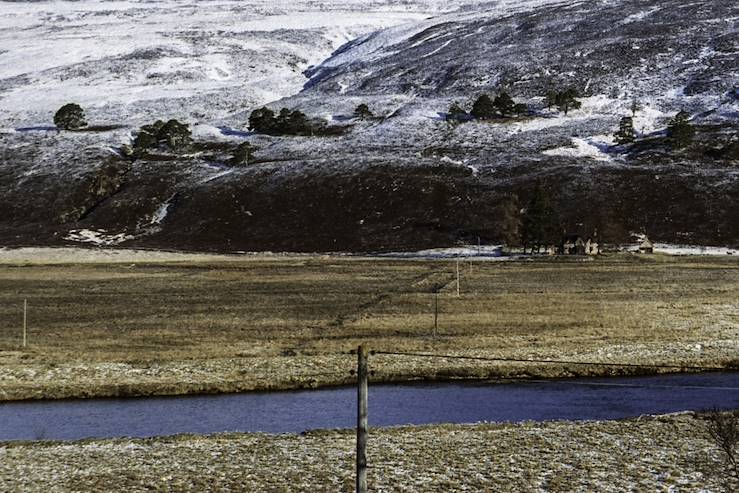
(25, 319)
(362, 419)
(457, 278)
(436, 311)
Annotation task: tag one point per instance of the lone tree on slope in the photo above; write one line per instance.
(243, 155)
(551, 99)
(625, 133)
(71, 116)
(567, 100)
(679, 130)
(456, 112)
(363, 112)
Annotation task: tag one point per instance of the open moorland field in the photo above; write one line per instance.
(265, 322)
(666, 453)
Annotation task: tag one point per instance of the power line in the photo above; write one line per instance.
(554, 361)
(635, 385)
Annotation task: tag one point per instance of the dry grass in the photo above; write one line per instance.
(205, 326)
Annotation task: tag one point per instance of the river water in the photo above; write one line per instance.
(423, 403)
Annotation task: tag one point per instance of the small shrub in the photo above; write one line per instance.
(723, 430)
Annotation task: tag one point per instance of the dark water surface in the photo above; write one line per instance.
(296, 411)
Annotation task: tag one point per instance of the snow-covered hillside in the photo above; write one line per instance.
(406, 179)
(127, 60)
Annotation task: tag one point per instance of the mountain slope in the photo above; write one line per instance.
(409, 179)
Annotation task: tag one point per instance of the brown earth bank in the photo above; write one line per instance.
(375, 208)
(228, 324)
(651, 453)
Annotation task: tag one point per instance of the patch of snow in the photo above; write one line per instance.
(466, 251)
(97, 237)
(45, 255)
(216, 175)
(437, 50)
(640, 15)
(672, 249)
(693, 249)
(161, 212)
(592, 147)
(447, 159)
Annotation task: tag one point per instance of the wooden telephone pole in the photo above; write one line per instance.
(362, 419)
(25, 320)
(457, 278)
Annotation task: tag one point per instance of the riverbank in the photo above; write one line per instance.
(102, 328)
(664, 453)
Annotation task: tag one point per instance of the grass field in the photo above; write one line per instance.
(280, 322)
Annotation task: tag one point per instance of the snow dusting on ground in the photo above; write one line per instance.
(652, 453)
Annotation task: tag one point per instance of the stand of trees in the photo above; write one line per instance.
(486, 108)
(174, 135)
(287, 122)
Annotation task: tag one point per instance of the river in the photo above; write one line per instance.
(389, 405)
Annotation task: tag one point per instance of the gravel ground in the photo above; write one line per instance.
(664, 453)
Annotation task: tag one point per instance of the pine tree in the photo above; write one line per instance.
(520, 109)
(363, 112)
(456, 112)
(679, 130)
(71, 116)
(483, 108)
(508, 220)
(540, 225)
(551, 99)
(504, 104)
(567, 100)
(262, 121)
(243, 155)
(177, 136)
(625, 133)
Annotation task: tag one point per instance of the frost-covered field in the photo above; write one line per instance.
(663, 453)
